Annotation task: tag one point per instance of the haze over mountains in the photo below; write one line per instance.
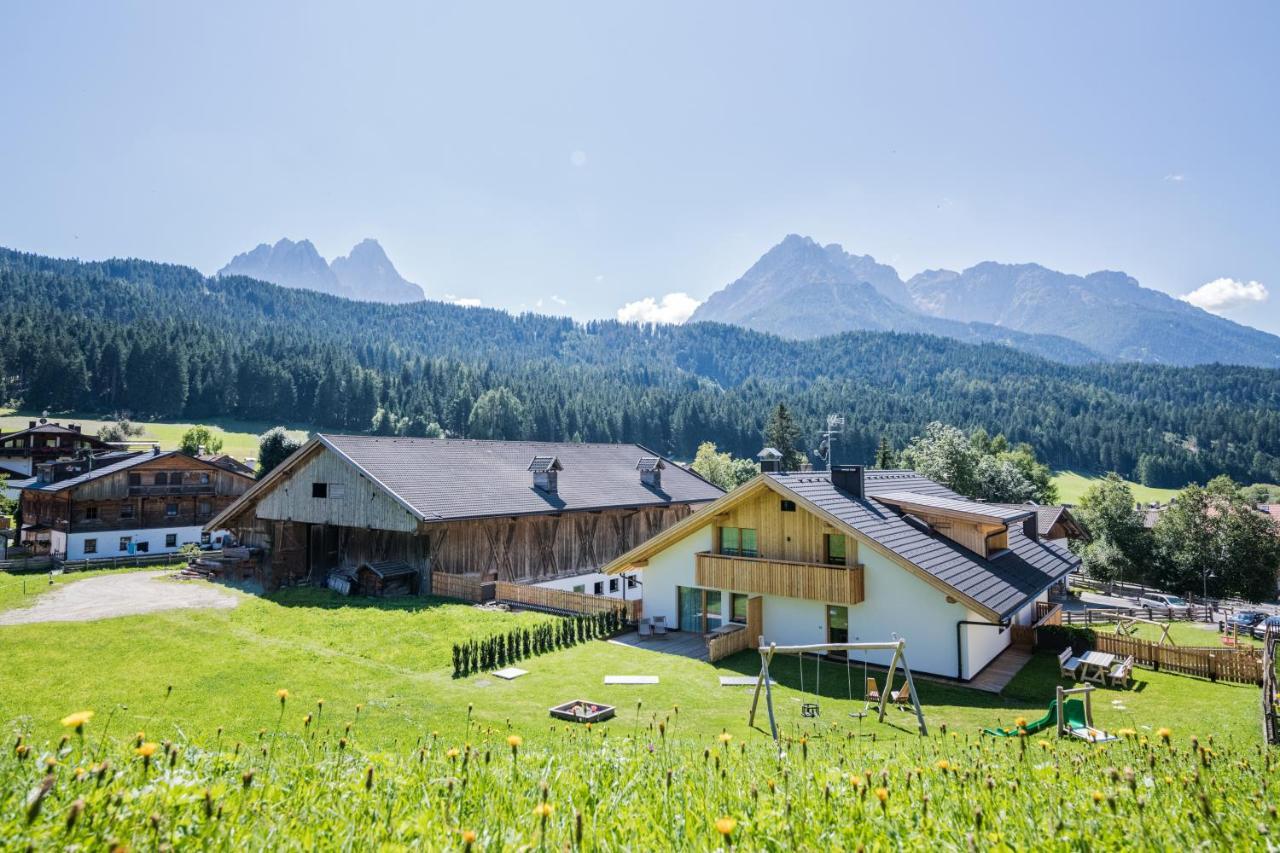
(801, 289)
(366, 273)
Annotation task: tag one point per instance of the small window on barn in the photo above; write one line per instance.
(613, 584)
(205, 538)
(204, 479)
(135, 479)
(126, 510)
(171, 540)
(170, 510)
(337, 491)
(91, 546)
(788, 506)
(124, 542)
(161, 479)
(203, 508)
(143, 547)
(598, 588)
(319, 490)
(91, 513)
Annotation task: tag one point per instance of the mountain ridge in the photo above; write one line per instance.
(802, 289)
(365, 273)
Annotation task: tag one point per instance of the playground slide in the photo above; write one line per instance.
(1049, 719)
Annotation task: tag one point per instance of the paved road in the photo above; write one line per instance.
(125, 594)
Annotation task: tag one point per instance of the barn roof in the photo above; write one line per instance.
(448, 479)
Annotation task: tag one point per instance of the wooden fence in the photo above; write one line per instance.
(465, 587)
(1239, 665)
(133, 562)
(720, 646)
(562, 601)
(1102, 615)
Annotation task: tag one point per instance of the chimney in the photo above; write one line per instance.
(770, 460)
(650, 468)
(155, 450)
(31, 424)
(849, 478)
(1031, 528)
(545, 470)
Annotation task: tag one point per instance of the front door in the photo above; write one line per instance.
(837, 625)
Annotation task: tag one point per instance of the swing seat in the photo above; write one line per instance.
(809, 709)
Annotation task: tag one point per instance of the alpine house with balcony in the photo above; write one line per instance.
(123, 504)
(852, 555)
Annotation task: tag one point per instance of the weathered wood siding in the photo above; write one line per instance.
(363, 504)
(797, 536)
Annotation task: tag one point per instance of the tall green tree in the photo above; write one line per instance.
(1212, 540)
(783, 434)
(945, 454)
(498, 414)
(200, 437)
(722, 468)
(274, 446)
(885, 457)
(1119, 546)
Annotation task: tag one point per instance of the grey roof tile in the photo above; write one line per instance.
(444, 479)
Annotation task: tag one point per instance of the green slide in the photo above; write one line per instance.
(1049, 719)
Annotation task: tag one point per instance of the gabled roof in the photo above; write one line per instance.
(996, 587)
(450, 479)
(129, 460)
(53, 429)
(543, 464)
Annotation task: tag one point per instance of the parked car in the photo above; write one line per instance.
(1244, 620)
(1260, 630)
(1165, 602)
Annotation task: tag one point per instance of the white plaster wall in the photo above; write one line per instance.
(109, 541)
(981, 644)
(674, 566)
(588, 582)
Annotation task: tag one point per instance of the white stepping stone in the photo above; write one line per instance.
(510, 672)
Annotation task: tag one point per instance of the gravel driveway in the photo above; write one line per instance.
(125, 594)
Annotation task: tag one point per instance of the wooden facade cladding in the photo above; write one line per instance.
(790, 579)
(982, 539)
(130, 499)
(795, 535)
(359, 502)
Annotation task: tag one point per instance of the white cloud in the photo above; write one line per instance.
(673, 308)
(464, 301)
(558, 300)
(1175, 177)
(1226, 293)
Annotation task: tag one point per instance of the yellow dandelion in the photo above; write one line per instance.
(1164, 733)
(726, 825)
(514, 741)
(943, 764)
(148, 749)
(77, 720)
(882, 794)
(543, 810)
(468, 837)
(725, 737)
(452, 754)
(1021, 722)
(282, 695)
(1098, 796)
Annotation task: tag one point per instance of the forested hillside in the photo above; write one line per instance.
(160, 340)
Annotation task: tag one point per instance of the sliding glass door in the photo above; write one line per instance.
(701, 610)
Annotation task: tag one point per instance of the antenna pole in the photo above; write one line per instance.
(835, 426)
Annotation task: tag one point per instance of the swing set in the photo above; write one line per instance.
(811, 709)
(1127, 626)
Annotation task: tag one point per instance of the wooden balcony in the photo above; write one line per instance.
(811, 581)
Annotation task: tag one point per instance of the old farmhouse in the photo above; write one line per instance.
(852, 555)
(367, 507)
(23, 450)
(124, 504)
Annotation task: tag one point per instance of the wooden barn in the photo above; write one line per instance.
(490, 510)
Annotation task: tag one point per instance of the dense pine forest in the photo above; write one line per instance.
(164, 341)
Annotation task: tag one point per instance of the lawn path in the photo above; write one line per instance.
(126, 594)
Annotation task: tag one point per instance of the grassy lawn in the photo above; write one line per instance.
(1183, 634)
(394, 660)
(240, 438)
(402, 755)
(1072, 486)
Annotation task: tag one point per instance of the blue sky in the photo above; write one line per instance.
(578, 157)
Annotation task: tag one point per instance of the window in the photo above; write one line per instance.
(135, 480)
(632, 582)
(161, 479)
(598, 588)
(336, 491)
(142, 547)
(126, 510)
(91, 546)
(204, 479)
(91, 513)
(613, 584)
(204, 508)
(204, 538)
(319, 490)
(170, 510)
(788, 506)
(739, 604)
(738, 541)
(835, 549)
(580, 588)
(171, 540)
(175, 478)
(125, 541)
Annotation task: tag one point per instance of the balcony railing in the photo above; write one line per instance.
(154, 491)
(811, 581)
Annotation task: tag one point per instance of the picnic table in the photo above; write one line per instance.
(1095, 665)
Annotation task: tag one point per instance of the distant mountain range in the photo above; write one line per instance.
(366, 274)
(801, 289)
